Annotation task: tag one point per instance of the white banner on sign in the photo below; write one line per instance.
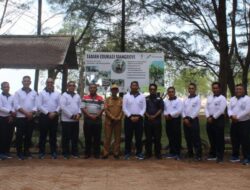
(106, 68)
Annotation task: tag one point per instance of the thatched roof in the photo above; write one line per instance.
(37, 52)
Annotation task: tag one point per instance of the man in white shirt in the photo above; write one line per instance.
(134, 107)
(239, 113)
(7, 115)
(25, 106)
(172, 111)
(191, 108)
(70, 104)
(215, 108)
(48, 105)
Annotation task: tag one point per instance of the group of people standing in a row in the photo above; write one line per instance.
(138, 112)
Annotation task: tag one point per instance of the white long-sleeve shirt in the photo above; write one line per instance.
(6, 105)
(240, 108)
(26, 101)
(134, 105)
(173, 107)
(70, 105)
(48, 101)
(191, 107)
(215, 106)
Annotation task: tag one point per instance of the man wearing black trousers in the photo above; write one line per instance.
(48, 105)
(239, 113)
(25, 105)
(7, 115)
(134, 107)
(70, 103)
(215, 108)
(92, 108)
(172, 112)
(152, 122)
(191, 108)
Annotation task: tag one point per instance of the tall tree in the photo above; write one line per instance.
(96, 24)
(242, 47)
(207, 19)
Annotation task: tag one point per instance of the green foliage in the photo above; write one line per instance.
(156, 74)
(200, 77)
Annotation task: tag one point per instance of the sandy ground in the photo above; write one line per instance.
(92, 174)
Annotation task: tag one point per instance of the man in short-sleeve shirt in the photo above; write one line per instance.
(92, 108)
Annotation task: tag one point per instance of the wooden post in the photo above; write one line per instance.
(64, 78)
(39, 29)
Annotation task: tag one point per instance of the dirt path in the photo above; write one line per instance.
(120, 175)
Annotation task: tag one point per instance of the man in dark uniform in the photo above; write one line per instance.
(152, 122)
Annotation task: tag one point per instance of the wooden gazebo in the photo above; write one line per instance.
(55, 53)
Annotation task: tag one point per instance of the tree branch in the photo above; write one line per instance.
(88, 22)
(4, 11)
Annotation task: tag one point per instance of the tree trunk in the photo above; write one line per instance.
(39, 29)
(230, 82)
(245, 77)
(245, 68)
(223, 45)
(52, 73)
(123, 27)
(81, 79)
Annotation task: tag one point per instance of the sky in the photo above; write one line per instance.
(25, 23)
(19, 22)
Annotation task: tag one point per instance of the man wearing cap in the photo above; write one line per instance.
(113, 119)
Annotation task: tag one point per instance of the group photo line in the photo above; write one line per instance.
(139, 114)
